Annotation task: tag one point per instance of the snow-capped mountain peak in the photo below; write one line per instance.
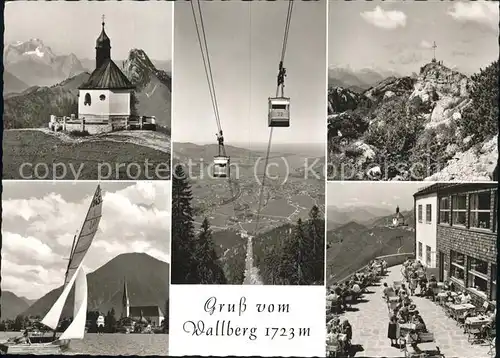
(35, 63)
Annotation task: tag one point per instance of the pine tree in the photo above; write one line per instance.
(292, 262)
(183, 245)
(208, 270)
(480, 118)
(316, 245)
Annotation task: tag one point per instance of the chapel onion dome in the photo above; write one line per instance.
(103, 39)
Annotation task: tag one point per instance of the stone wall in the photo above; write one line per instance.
(92, 128)
(392, 260)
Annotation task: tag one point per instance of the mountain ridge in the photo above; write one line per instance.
(147, 283)
(32, 107)
(427, 115)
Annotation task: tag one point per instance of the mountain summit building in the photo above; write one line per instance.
(456, 236)
(105, 100)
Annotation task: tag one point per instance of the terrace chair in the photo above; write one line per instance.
(348, 300)
(462, 316)
(332, 349)
(493, 350)
(474, 335)
(484, 308)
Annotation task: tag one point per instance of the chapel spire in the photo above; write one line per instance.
(102, 47)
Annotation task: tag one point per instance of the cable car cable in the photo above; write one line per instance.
(207, 74)
(281, 79)
(209, 67)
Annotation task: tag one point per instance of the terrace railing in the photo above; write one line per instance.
(392, 260)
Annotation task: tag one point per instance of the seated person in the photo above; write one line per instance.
(466, 298)
(388, 291)
(488, 326)
(449, 297)
(411, 339)
(404, 313)
(356, 289)
(420, 324)
(24, 339)
(331, 337)
(347, 330)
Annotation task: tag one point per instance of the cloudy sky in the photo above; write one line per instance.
(244, 42)
(73, 27)
(399, 35)
(41, 218)
(373, 194)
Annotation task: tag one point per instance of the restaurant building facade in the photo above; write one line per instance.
(465, 235)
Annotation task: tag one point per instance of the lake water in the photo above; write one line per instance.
(114, 344)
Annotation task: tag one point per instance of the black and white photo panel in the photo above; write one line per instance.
(411, 268)
(248, 197)
(83, 264)
(413, 90)
(87, 90)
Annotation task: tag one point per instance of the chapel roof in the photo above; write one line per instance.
(108, 76)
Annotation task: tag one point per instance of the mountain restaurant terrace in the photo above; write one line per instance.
(403, 311)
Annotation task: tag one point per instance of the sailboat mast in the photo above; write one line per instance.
(83, 225)
(70, 255)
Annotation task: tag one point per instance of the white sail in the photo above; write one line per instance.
(78, 251)
(51, 319)
(76, 329)
(86, 235)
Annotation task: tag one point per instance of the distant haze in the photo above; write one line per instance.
(372, 194)
(73, 26)
(398, 35)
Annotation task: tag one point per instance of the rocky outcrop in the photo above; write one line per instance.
(425, 118)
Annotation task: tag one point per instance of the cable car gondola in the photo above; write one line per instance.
(221, 161)
(221, 167)
(279, 112)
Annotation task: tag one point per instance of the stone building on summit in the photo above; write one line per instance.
(456, 235)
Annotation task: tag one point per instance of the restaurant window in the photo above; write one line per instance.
(493, 282)
(459, 209)
(444, 210)
(419, 250)
(428, 213)
(477, 274)
(457, 269)
(420, 213)
(480, 216)
(495, 208)
(428, 255)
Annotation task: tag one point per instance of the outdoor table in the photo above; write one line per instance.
(478, 321)
(457, 308)
(404, 327)
(445, 294)
(427, 347)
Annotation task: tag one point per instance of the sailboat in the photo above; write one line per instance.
(75, 276)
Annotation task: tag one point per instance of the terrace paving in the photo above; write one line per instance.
(369, 319)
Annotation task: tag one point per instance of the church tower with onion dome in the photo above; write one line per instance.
(104, 102)
(102, 47)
